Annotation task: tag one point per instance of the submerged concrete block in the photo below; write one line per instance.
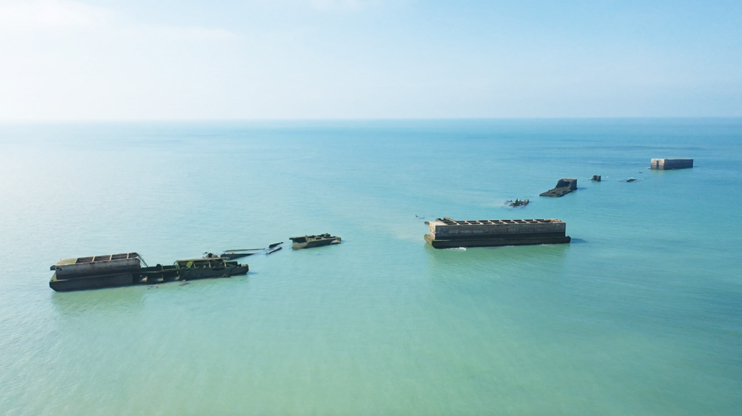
(563, 187)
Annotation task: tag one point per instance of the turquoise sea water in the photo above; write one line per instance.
(641, 314)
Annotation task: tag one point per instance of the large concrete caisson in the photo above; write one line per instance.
(94, 272)
(125, 269)
(448, 233)
(667, 164)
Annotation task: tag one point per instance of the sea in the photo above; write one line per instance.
(641, 314)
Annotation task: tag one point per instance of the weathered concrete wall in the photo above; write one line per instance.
(91, 282)
(514, 240)
(97, 265)
(495, 227)
(91, 269)
(668, 164)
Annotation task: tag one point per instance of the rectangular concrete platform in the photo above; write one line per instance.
(448, 233)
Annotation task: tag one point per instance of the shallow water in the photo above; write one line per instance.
(641, 314)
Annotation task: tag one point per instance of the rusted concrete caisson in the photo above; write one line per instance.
(448, 233)
(125, 269)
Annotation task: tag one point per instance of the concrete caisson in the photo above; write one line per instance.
(125, 269)
(668, 164)
(448, 233)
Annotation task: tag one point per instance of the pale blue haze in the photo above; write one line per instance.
(640, 315)
(368, 59)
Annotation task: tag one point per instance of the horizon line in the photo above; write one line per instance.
(358, 119)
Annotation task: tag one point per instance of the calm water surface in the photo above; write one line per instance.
(641, 314)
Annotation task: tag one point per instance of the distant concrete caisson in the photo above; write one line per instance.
(668, 164)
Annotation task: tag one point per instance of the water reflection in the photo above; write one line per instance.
(111, 299)
(495, 272)
(499, 257)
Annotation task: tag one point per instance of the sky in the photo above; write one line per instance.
(110, 60)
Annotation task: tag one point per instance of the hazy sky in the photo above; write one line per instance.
(297, 59)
